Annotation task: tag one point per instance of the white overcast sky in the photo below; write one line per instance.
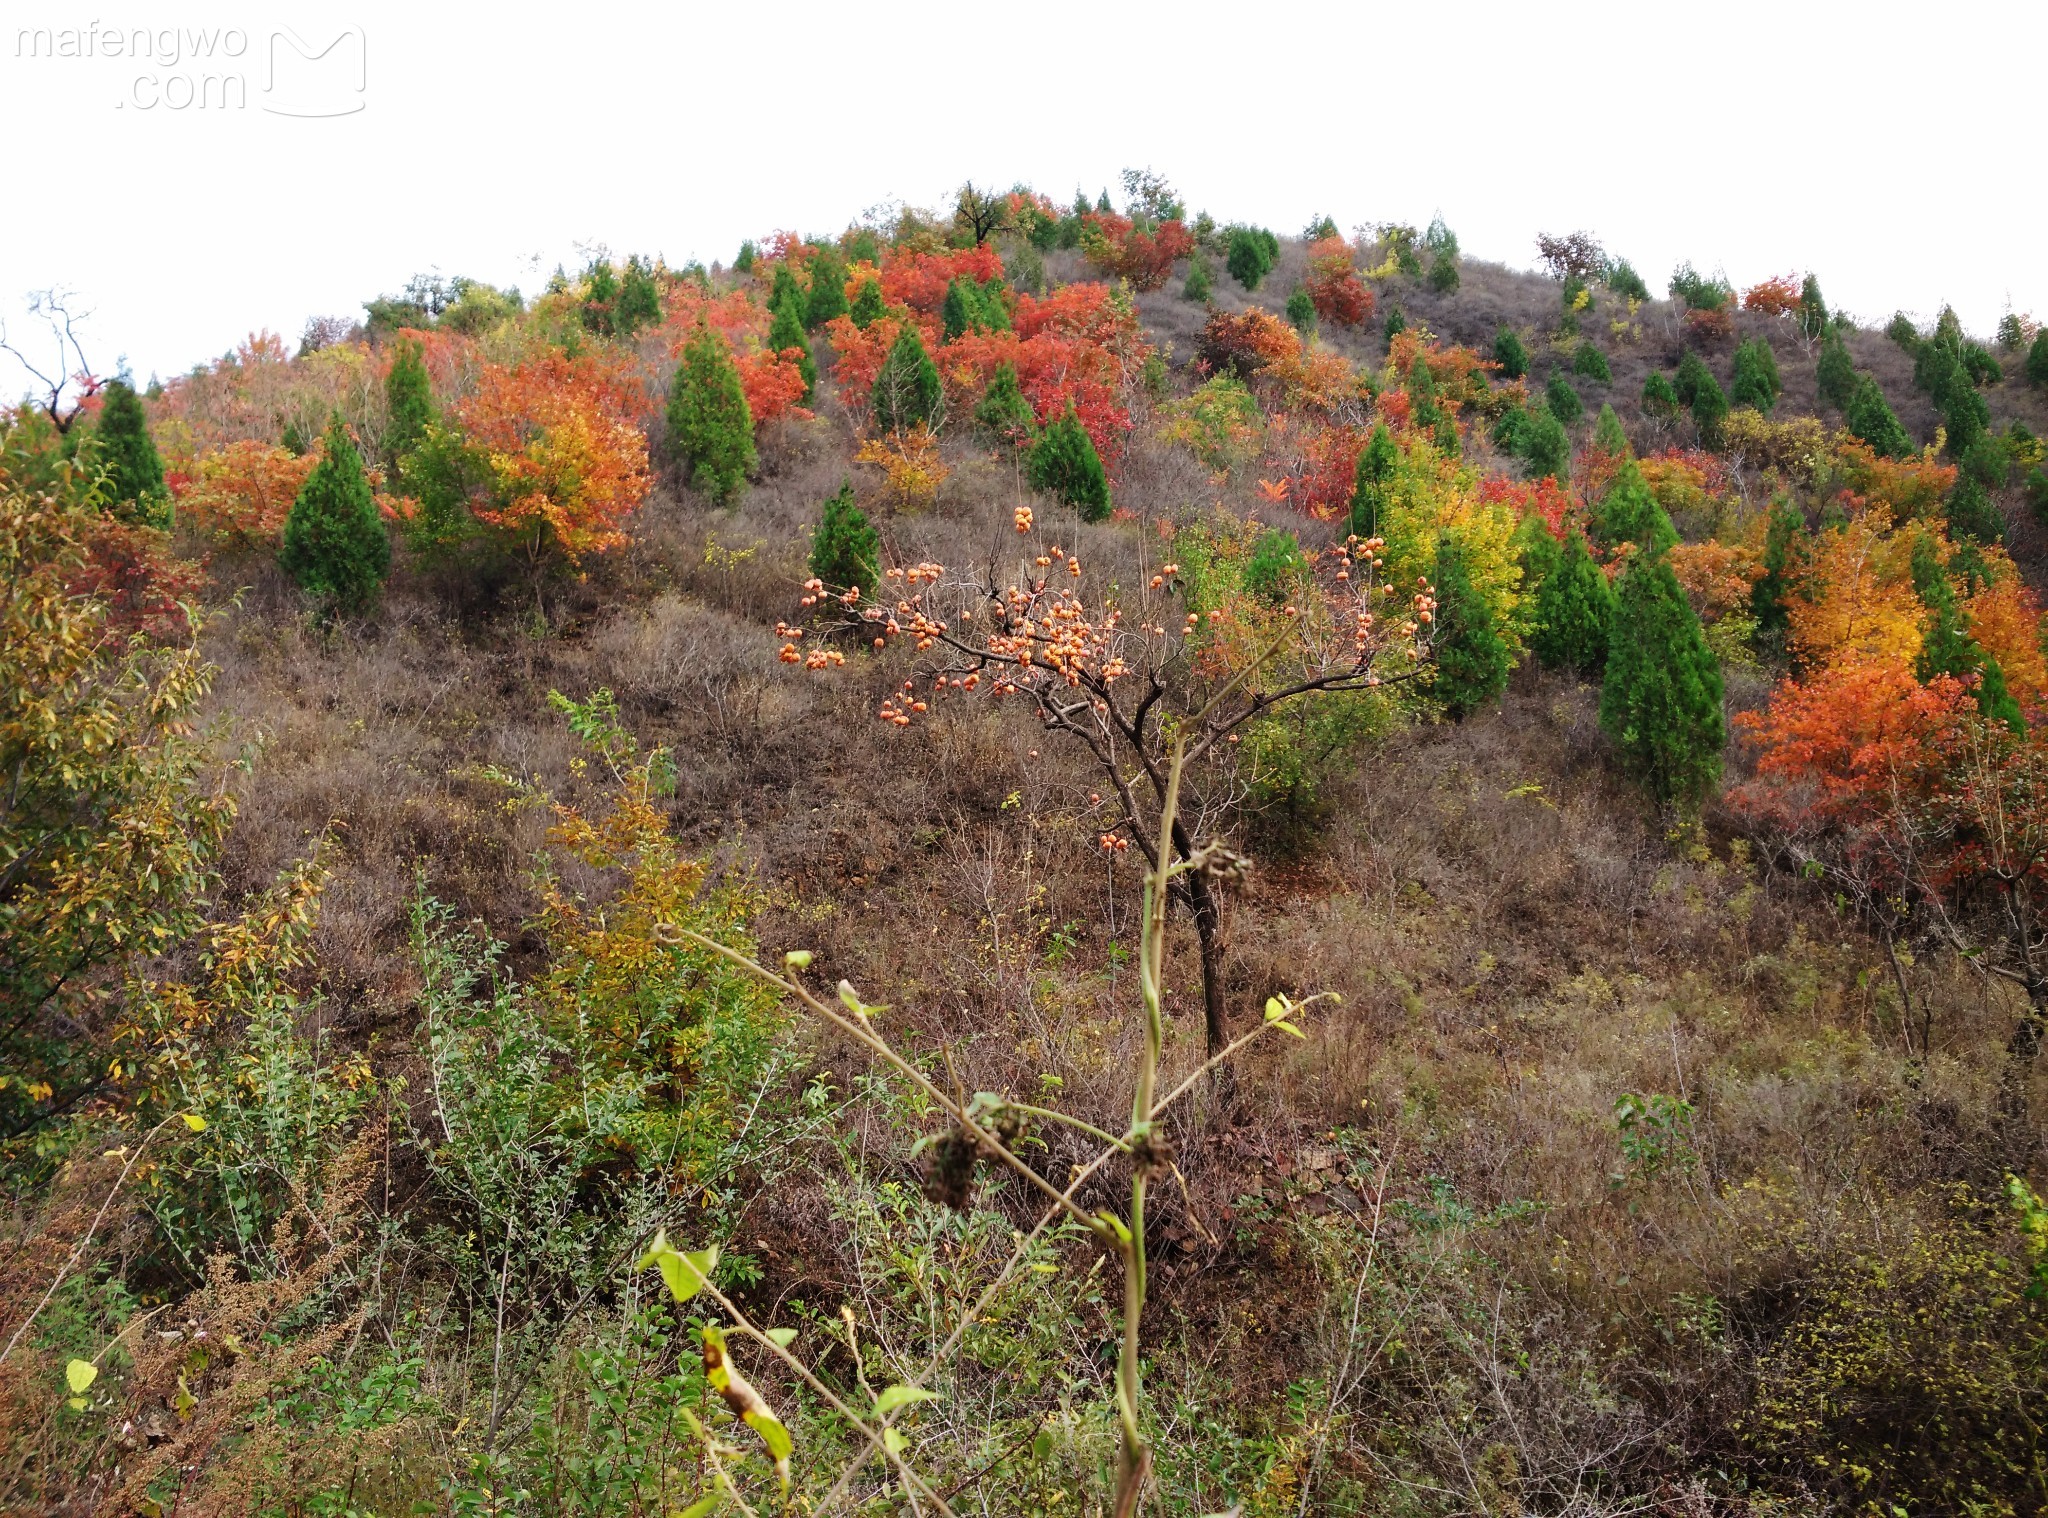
(1895, 151)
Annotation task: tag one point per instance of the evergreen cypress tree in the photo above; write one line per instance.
(1574, 610)
(408, 402)
(1784, 537)
(1563, 400)
(1376, 463)
(1629, 512)
(135, 470)
(335, 547)
(744, 263)
(1247, 258)
(1590, 362)
(1004, 413)
(1509, 353)
(600, 301)
(1447, 441)
(1443, 273)
(1972, 514)
(1545, 446)
(783, 290)
(1660, 397)
(1696, 386)
(1835, 375)
(1661, 699)
(639, 297)
(2037, 359)
(785, 331)
(1200, 285)
(1870, 417)
(1063, 463)
(1608, 435)
(846, 549)
(868, 303)
(1301, 310)
(1813, 311)
(907, 389)
(1472, 658)
(1395, 324)
(957, 315)
(1756, 381)
(828, 289)
(1275, 568)
(1421, 387)
(1949, 648)
(710, 427)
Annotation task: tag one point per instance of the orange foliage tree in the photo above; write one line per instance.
(1333, 284)
(241, 493)
(1114, 245)
(1778, 296)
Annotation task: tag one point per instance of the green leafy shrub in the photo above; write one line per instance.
(846, 549)
(1220, 423)
(907, 390)
(1301, 310)
(1661, 700)
(335, 547)
(1250, 255)
(1063, 463)
(710, 426)
(1698, 291)
(1622, 279)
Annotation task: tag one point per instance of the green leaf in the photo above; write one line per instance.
(686, 1274)
(701, 1508)
(894, 1442)
(1277, 1007)
(893, 1397)
(782, 1338)
(797, 959)
(77, 1404)
(79, 1375)
(772, 1433)
(1290, 1028)
(851, 1000)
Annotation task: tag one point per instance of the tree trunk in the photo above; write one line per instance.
(2020, 1052)
(1208, 914)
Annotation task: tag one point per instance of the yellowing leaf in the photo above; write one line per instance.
(79, 1375)
(893, 1441)
(195, 1122)
(701, 1508)
(798, 959)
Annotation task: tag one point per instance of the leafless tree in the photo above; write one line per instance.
(69, 368)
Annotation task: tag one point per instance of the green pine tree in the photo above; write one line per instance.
(828, 289)
(846, 550)
(1246, 257)
(1590, 363)
(1563, 400)
(1421, 387)
(1395, 324)
(1835, 374)
(1756, 381)
(1472, 659)
(785, 331)
(639, 302)
(1544, 445)
(1275, 568)
(408, 402)
(1813, 311)
(1574, 609)
(907, 389)
(1301, 310)
(1870, 417)
(1949, 648)
(783, 290)
(124, 448)
(601, 299)
(1608, 435)
(961, 311)
(1629, 512)
(1784, 551)
(1661, 699)
(744, 263)
(2037, 359)
(1003, 413)
(1063, 463)
(1660, 397)
(335, 546)
(1371, 481)
(1510, 354)
(710, 427)
(1200, 286)
(868, 304)
(1696, 386)
(1972, 514)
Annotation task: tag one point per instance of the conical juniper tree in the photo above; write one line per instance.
(408, 402)
(1003, 413)
(1376, 463)
(907, 391)
(845, 550)
(786, 332)
(710, 426)
(124, 448)
(1574, 610)
(1472, 658)
(335, 547)
(1661, 700)
(1063, 463)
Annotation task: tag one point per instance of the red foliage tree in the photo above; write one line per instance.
(1333, 284)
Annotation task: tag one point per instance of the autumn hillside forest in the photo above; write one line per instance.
(1048, 855)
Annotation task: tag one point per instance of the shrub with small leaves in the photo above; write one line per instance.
(1696, 386)
(1276, 567)
(1376, 464)
(1622, 279)
(1835, 374)
(827, 297)
(1972, 513)
(785, 332)
(1608, 435)
(1200, 284)
(2037, 359)
(868, 305)
(1443, 273)
(1661, 699)
(1250, 256)
(1574, 607)
(1545, 447)
(1396, 322)
(1003, 413)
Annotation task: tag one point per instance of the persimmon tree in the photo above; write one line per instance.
(1130, 677)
